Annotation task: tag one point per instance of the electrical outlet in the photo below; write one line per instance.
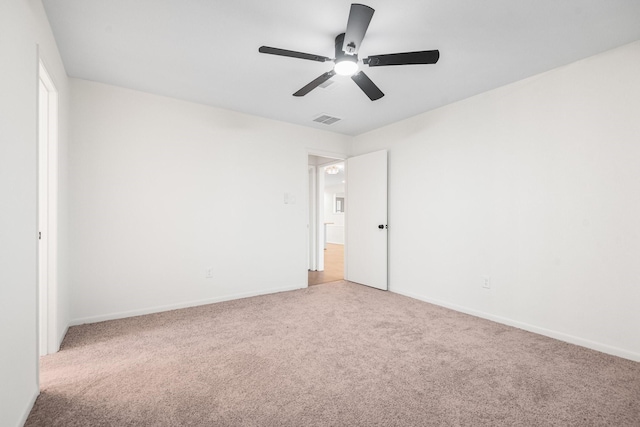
(486, 282)
(208, 273)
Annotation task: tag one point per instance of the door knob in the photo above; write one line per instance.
(381, 227)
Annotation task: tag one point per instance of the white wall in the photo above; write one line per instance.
(163, 189)
(536, 185)
(23, 26)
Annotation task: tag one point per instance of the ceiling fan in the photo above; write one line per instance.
(346, 61)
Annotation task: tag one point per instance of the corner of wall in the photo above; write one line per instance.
(27, 411)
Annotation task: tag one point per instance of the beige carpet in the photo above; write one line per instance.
(331, 355)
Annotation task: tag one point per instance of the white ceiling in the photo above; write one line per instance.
(207, 51)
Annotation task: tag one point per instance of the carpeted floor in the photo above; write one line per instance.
(331, 355)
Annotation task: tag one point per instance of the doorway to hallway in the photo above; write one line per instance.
(326, 220)
(333, 266)
(361, 213)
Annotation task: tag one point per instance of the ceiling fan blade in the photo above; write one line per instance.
(406, 58)
(314, 84)
(359, 19)
(368, 87)
(292, 54)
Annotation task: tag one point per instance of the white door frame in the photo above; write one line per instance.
(320, 228)
(316, 232)
(313, 223)
(47, 212)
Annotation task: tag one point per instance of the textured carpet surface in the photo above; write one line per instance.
(337, 354)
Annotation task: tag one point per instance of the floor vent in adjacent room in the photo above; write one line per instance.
(326, 119)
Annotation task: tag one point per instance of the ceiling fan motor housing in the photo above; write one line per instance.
(341, 53)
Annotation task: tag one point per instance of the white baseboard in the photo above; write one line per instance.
(29, 407)
(61, 338)
(604, 348)
(158, 309)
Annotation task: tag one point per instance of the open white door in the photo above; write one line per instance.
(47, 213)
(43, 218)
(366, 220)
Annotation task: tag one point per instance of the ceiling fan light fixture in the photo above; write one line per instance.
(346, 66)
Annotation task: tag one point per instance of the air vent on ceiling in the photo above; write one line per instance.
(326, 119)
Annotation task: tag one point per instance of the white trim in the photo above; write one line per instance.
(32, 402)
(312, 212)
(320, 218)
(162, 308)
(327, 154)
(345, 271)
(61, 336)
(604, 348)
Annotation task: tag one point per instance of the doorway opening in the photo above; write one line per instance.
(326, 219)
(47, 211)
